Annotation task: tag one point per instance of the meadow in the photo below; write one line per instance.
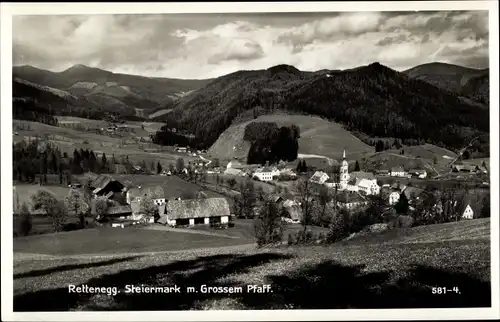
(392, 270)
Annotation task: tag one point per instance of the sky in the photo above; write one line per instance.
(211, 45)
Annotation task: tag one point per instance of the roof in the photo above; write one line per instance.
(294, 211)
(317, 175)
(121, 209)
(275, 198)
(412, 192)
(364, 183)
(235, 164)
(136, 192)
(197, 208)
(101, 181)
(397, 169)
(362, 175)
(232, 171)
(383, 171)
(350, 197)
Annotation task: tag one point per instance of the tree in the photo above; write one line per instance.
(159, 168)
(305, 197)
(25, 223)
(356, 166)
(268, 226)
(147, 204)
(171, 168)
(323, 199)
(379, 146)
(101, 207)
(179, 165)
(104, 163)
(76, 203)
(339, 227)
(231, 182)
(485, 207)
(45, 201)
(247, 199)
(402, 206)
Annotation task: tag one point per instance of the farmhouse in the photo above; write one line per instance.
(383, 172)
(464, 168)
(137, 193)
(181, 149)
(105, 185)
(468, 213)
(266, 173)
(319, 177)
(195, 211)
(391, 194)
(398, 172)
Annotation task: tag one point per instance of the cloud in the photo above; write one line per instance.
(210, 45)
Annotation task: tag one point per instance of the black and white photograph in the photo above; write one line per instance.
(221, 158)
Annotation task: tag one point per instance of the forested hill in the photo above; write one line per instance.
(373, 99)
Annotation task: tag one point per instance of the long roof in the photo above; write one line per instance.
(197, 208)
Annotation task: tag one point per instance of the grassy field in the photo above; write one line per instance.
(317, 136)
(388, 271)
(117, 241)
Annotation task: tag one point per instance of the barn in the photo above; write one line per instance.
(195, 211)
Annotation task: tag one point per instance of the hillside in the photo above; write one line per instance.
(112, 91)
(469, 82)
(317, 136)
(373, 99)
(356, 274)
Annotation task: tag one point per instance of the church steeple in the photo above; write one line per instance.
(344, 155)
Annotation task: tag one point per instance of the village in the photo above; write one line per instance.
(121, 204)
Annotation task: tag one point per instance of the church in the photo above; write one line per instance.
(358, 181)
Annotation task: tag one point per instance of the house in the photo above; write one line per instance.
(413, 194)
(195, 211)
(468, 213)
(383, 172)
(330, 183)
(138, 193)
(104, 184)
(368, 186)
(391, 195)
(181, 149)
(351, 200)
(293, 211)
(398, 172)
(266, 173)
(319, 177)
(166, 173)
(288, 172)
(419, 173)
(235, 164)
(234, 172)
(465, 168)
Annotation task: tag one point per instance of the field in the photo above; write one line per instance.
(67, 139)
(317, 136)
(394, 270)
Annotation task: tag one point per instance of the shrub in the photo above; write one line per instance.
(404, 221)
(291, 240)
(25, 225)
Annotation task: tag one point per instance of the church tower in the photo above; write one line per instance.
(344, 173)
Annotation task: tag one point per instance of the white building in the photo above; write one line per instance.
(468, 213)
(398, 172)
(266, 173)
(344, 173)
(319, 177)
(369, 187)
(394, 197)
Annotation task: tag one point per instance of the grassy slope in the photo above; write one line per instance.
(69, 139)
(318, 136)
(355, 274)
